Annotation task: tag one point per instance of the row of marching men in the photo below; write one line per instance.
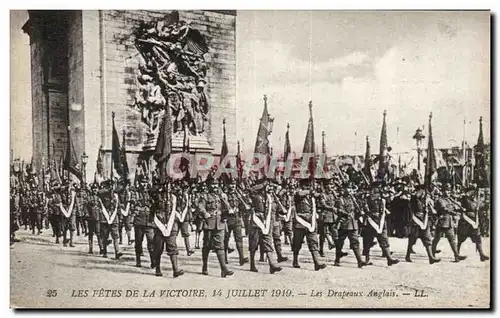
(302, 212)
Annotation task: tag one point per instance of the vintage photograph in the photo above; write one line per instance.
(250, 159)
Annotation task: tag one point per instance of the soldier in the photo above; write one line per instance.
(231, 207)
(348, 212)
(286, 199)
(108, 218)
(468, 226)
(420, 226)
(164, 210)
(446, 209)
(260, 225)
(184, 210)
(484, 212)
(33, 209)
(143, 220)
(124, 211)
(279, 212)
(198, 220)
(68, 195)
(24, 203)
(376, 226)
(209, 207)
(55, 214)
(79, 211)
(14, 214)
(305, 223)
(93, 207)
(328, 212)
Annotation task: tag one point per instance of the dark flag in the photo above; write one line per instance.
(119, 167)
(123, 157)
(71, 163)
(430, 163)
(323, 151)
(163, 147)
(288, 147)
(367, 169)
(382, 160)
(481, 175)
(60, 167)
(309, 145)
(239, 162)
(100, 164)
(265, 129)
(223, 152)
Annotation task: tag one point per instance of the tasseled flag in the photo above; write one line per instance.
(123, 157)
(100, 164)
(288, 147)
(224, 152)
(163, 147)
(382, 160)
(119, 168)
(265, 128)
(71, 163)
(430, 163)
(481, 174)
(239, 163)
(367, 169)
(309, 145)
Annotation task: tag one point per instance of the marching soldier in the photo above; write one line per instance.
(348, 212)
(278, 211)
(164, 211)
(468, 226)
(124, 212)
(79, 211)
(93, 206)
(184, 212)
(209, 207)
(39, 209)
(376, 226)
(286, 198)
(33, 209)
(197, 190)
(262, 220)
(420, 227)
(305, 224)
(68, 213)
(143, 220)
(14, 214)
(231, 207)
(55, 214)
(446, 209)
(108, 217)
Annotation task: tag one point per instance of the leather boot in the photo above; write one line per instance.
(261, 259)
(188, 247)
(390, 261)
(317, 264)
(71, 239)
(338, 252)
(175, 267)
(204, 257)
(454, 248)
(105, 251)
(273, 268)
(296, 260)
(118, 254)
(99, 242)
(223, 267)
(321, 244)
(252, 262)
(432, 258)
(357, 253)
(482, 256)
(138, 259)
(158, 271)
(225, 256)
(408, 252)
(281, 258)
(91, 245)
(243, 259)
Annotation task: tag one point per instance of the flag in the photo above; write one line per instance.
(265, 128)
(288, 147)
(239, 162)
(367, 169)
(430, 163)
(119, 168)
(123, 157)
(309, 146)
(71, 163)
(481, 175)
(100, 164)
(163, 147)
(382, 160)
(223, 150)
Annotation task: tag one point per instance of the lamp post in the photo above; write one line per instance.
(419, 136)
(84, 164)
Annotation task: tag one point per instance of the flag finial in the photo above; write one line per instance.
(265, 98)
(287, 126)
(224, 125)
(430, 116)
(113, 115)
(367, 138)
(323, 133)
(385, 113)
(481, 119)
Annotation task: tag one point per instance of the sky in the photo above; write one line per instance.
(351, 65)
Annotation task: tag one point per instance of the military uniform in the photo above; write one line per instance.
(445, 209)
(162, 210)
(305, 204)
(37, 206)
(184, 202)
(210, 209)
(80, 214)
(468, 226)
(108, 220)
(93, 207)
(69, 223)
(14, 215)
(376, 227)
(420, 225)
(55, 214)
(124, 217)
(326, 228)
(231, 212)
(143, 223)
(347, 225)
(286, 220)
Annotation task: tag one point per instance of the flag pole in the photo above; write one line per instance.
(111, 172)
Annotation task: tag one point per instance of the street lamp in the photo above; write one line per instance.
(84, 164)
(419, 136)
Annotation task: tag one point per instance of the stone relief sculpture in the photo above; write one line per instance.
(172, 73)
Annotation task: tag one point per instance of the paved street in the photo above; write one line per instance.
(47, 275)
